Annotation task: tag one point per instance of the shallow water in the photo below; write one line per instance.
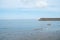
(29, 30)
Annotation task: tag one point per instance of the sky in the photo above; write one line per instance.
(29, 9)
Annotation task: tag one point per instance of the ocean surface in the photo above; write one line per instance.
(29, 30)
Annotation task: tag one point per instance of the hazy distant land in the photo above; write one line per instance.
(49, 19)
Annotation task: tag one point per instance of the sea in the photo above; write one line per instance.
(29, 29)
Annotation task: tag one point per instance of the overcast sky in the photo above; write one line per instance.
(29, 9)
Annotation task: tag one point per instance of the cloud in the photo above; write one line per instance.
(8, 4)
(32, 3)
(49, 5)
(23, 3)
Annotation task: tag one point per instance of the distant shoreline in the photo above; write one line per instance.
(49, 19)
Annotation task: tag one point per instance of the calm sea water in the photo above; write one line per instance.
(29, 30)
